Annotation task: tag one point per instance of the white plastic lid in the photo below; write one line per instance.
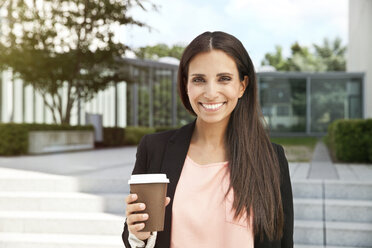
(148, 178)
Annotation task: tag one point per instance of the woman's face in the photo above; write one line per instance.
(213, 86)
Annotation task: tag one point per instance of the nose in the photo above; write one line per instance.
(211, 90)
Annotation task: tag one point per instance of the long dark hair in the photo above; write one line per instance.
(253, 164)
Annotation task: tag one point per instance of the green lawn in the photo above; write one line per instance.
(297, 149)
(295, 141)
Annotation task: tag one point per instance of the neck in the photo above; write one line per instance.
(209, 134)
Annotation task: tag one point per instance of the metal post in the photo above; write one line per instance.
(174, 98)
(258, 89)
(23, 103)
(151, 98)
(1, 96)
(13, 99)
(79, 110)
(308, 105)
(362, 95)
(34, 105)
(44, 114)
(116, 104)
(135, 104)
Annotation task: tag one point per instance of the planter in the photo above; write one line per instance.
(59, 141)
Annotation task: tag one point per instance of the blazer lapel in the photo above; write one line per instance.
(174, 158)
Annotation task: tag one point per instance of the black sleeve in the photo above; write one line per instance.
(140, 167)
(287, 200)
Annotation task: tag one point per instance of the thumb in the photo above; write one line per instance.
(167, 201)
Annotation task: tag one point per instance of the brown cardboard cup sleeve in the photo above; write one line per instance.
(152, 191)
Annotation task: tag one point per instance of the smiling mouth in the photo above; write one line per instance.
(212, 107)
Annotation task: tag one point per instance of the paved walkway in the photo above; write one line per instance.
(321, 167)
(118, 163)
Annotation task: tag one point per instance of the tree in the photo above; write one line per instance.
(159, 50)
(332, 54)
(276, 59)
(327, 57)
(52, 44)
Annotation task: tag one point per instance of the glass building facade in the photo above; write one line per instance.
(305, 103)
(292, 103)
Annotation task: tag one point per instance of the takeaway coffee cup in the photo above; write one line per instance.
(151, 189)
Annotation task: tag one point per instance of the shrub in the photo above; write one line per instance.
(164, 128)
(14, 136)
(350, 140)
(113, 136)
(133, 135)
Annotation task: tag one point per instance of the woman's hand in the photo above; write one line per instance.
(132, 217)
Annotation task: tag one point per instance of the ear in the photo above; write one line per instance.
(243, 85)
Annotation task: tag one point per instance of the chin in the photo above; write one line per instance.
(212, 119)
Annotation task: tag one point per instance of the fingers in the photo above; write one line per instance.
(137, 207)
(134, 208)
(131, 198)
(136, 227)
(133, 218)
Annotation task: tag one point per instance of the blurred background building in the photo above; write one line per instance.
(292, 102)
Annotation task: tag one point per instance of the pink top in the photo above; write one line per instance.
(200, 215)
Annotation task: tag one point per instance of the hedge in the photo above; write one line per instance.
(14, 136)
(117, 136)
(350, 140)
(133, 135)
(113, 136)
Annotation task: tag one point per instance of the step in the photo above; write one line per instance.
(307, 189)
(34, 181)
(348, 210)
(61, 222)
(103, 185)
(64, 184)
(30, 240)
(349, 234)
(308, 232)
(308, 209)
(309, 246)
(351, 190)
(332, 189)
(353, 234)
(62, 201)
(321, 246)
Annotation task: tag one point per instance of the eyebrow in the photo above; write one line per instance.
(219, 74)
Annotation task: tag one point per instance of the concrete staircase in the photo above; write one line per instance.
(40, 210)
(330, 213)
(45, 211)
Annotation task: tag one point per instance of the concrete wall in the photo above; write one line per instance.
(59, 141)
(359, 57)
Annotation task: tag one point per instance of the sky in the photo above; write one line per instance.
(259, 24)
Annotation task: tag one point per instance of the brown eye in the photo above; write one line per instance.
(197, 79)
(225, 78)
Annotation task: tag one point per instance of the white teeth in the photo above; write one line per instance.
(212, 106)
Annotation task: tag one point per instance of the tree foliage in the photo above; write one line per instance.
(56, 44)
(160, 50)
(330, 56)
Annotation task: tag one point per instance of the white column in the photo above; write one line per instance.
(122, 104)
(359, 57)
(7, 93)
(39, 108)
(28, 104)
(18, 101)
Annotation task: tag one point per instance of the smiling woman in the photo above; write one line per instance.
(229, 185)
(214, 93)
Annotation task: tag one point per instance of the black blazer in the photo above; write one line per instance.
(166, 152)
